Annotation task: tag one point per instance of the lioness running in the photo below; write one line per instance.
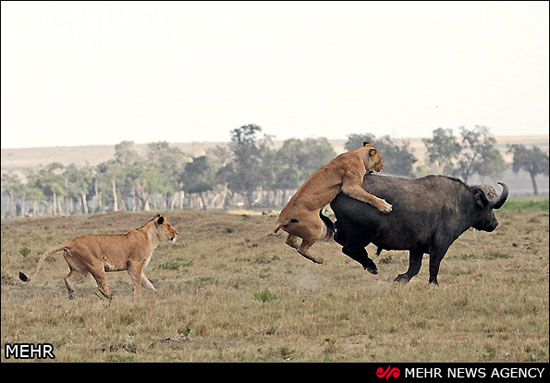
(302, 216)
(97, 254)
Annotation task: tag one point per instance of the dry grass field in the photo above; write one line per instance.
(229, 290)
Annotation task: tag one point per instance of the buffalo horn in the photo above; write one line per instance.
(500, 201)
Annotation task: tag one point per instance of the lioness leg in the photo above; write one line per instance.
(351, 186)
(101, 278)
(70, 279)
(135, 271)
(304, 250)
(309, 227)
(292, 241)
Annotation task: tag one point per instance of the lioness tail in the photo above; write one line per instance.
(46, 254)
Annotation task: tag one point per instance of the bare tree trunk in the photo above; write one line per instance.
(535, 188)
(54, 203)
(11, 207)
(173, 201)
(98, 195)
(115, 200)
(146, 206)
(84, 203)
(201, 195)
(59, 206)
(66, 196)
(23, 204)
(182, 196)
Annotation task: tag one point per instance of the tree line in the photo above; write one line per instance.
(246, 172)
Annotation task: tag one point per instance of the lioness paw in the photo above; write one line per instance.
(384, 207)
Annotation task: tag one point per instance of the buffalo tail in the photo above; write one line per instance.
(329, 224)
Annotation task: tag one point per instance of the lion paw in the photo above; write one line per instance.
(384, 207)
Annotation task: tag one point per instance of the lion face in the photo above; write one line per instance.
(165, 230)
(374, 161)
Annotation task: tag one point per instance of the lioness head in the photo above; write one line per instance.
(165, 230)
(374, 158)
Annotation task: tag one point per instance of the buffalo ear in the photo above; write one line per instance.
(160, 220)
(480, 198)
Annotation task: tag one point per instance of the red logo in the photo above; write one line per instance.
(388, 372)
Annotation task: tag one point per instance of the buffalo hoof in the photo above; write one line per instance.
(371, 269)
(403, 278)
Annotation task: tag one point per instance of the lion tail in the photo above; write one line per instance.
(329, 224)
(46, 254)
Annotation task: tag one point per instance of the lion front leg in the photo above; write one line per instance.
(135, 270)
(360, 194)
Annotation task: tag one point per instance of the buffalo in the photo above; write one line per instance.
(428, 215)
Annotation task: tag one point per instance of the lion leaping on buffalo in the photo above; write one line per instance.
(302, 216)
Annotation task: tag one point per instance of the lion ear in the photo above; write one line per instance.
(160, 220)
(372, 152)
(367, 143)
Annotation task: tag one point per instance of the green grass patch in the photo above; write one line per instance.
(527, 204)
(265, 296)
(174, 264)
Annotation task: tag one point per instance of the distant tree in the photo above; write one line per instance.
(33, 191)
(52, 184)
(398, 159)
(169, 162)
(292, 159)
(199, 177)
(443, 149)
(534, 161)
(245, 173)
(12, 186)
(318, 152)
(478, 154)
(112, 173)
(355, 140)
(79, 182)
(296, 160)
(492, 165)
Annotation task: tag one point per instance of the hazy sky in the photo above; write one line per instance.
(100, 73)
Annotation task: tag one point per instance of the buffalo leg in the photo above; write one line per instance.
(435, 260)
(354, 244)
(415, 261)
(340, 237)
(360, 255)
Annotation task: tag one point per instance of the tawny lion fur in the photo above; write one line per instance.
(98, 254)
(302, 217)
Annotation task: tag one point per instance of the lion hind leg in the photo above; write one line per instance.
(304, 251)
(292, 241)
(70, 280)
(310, 229)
